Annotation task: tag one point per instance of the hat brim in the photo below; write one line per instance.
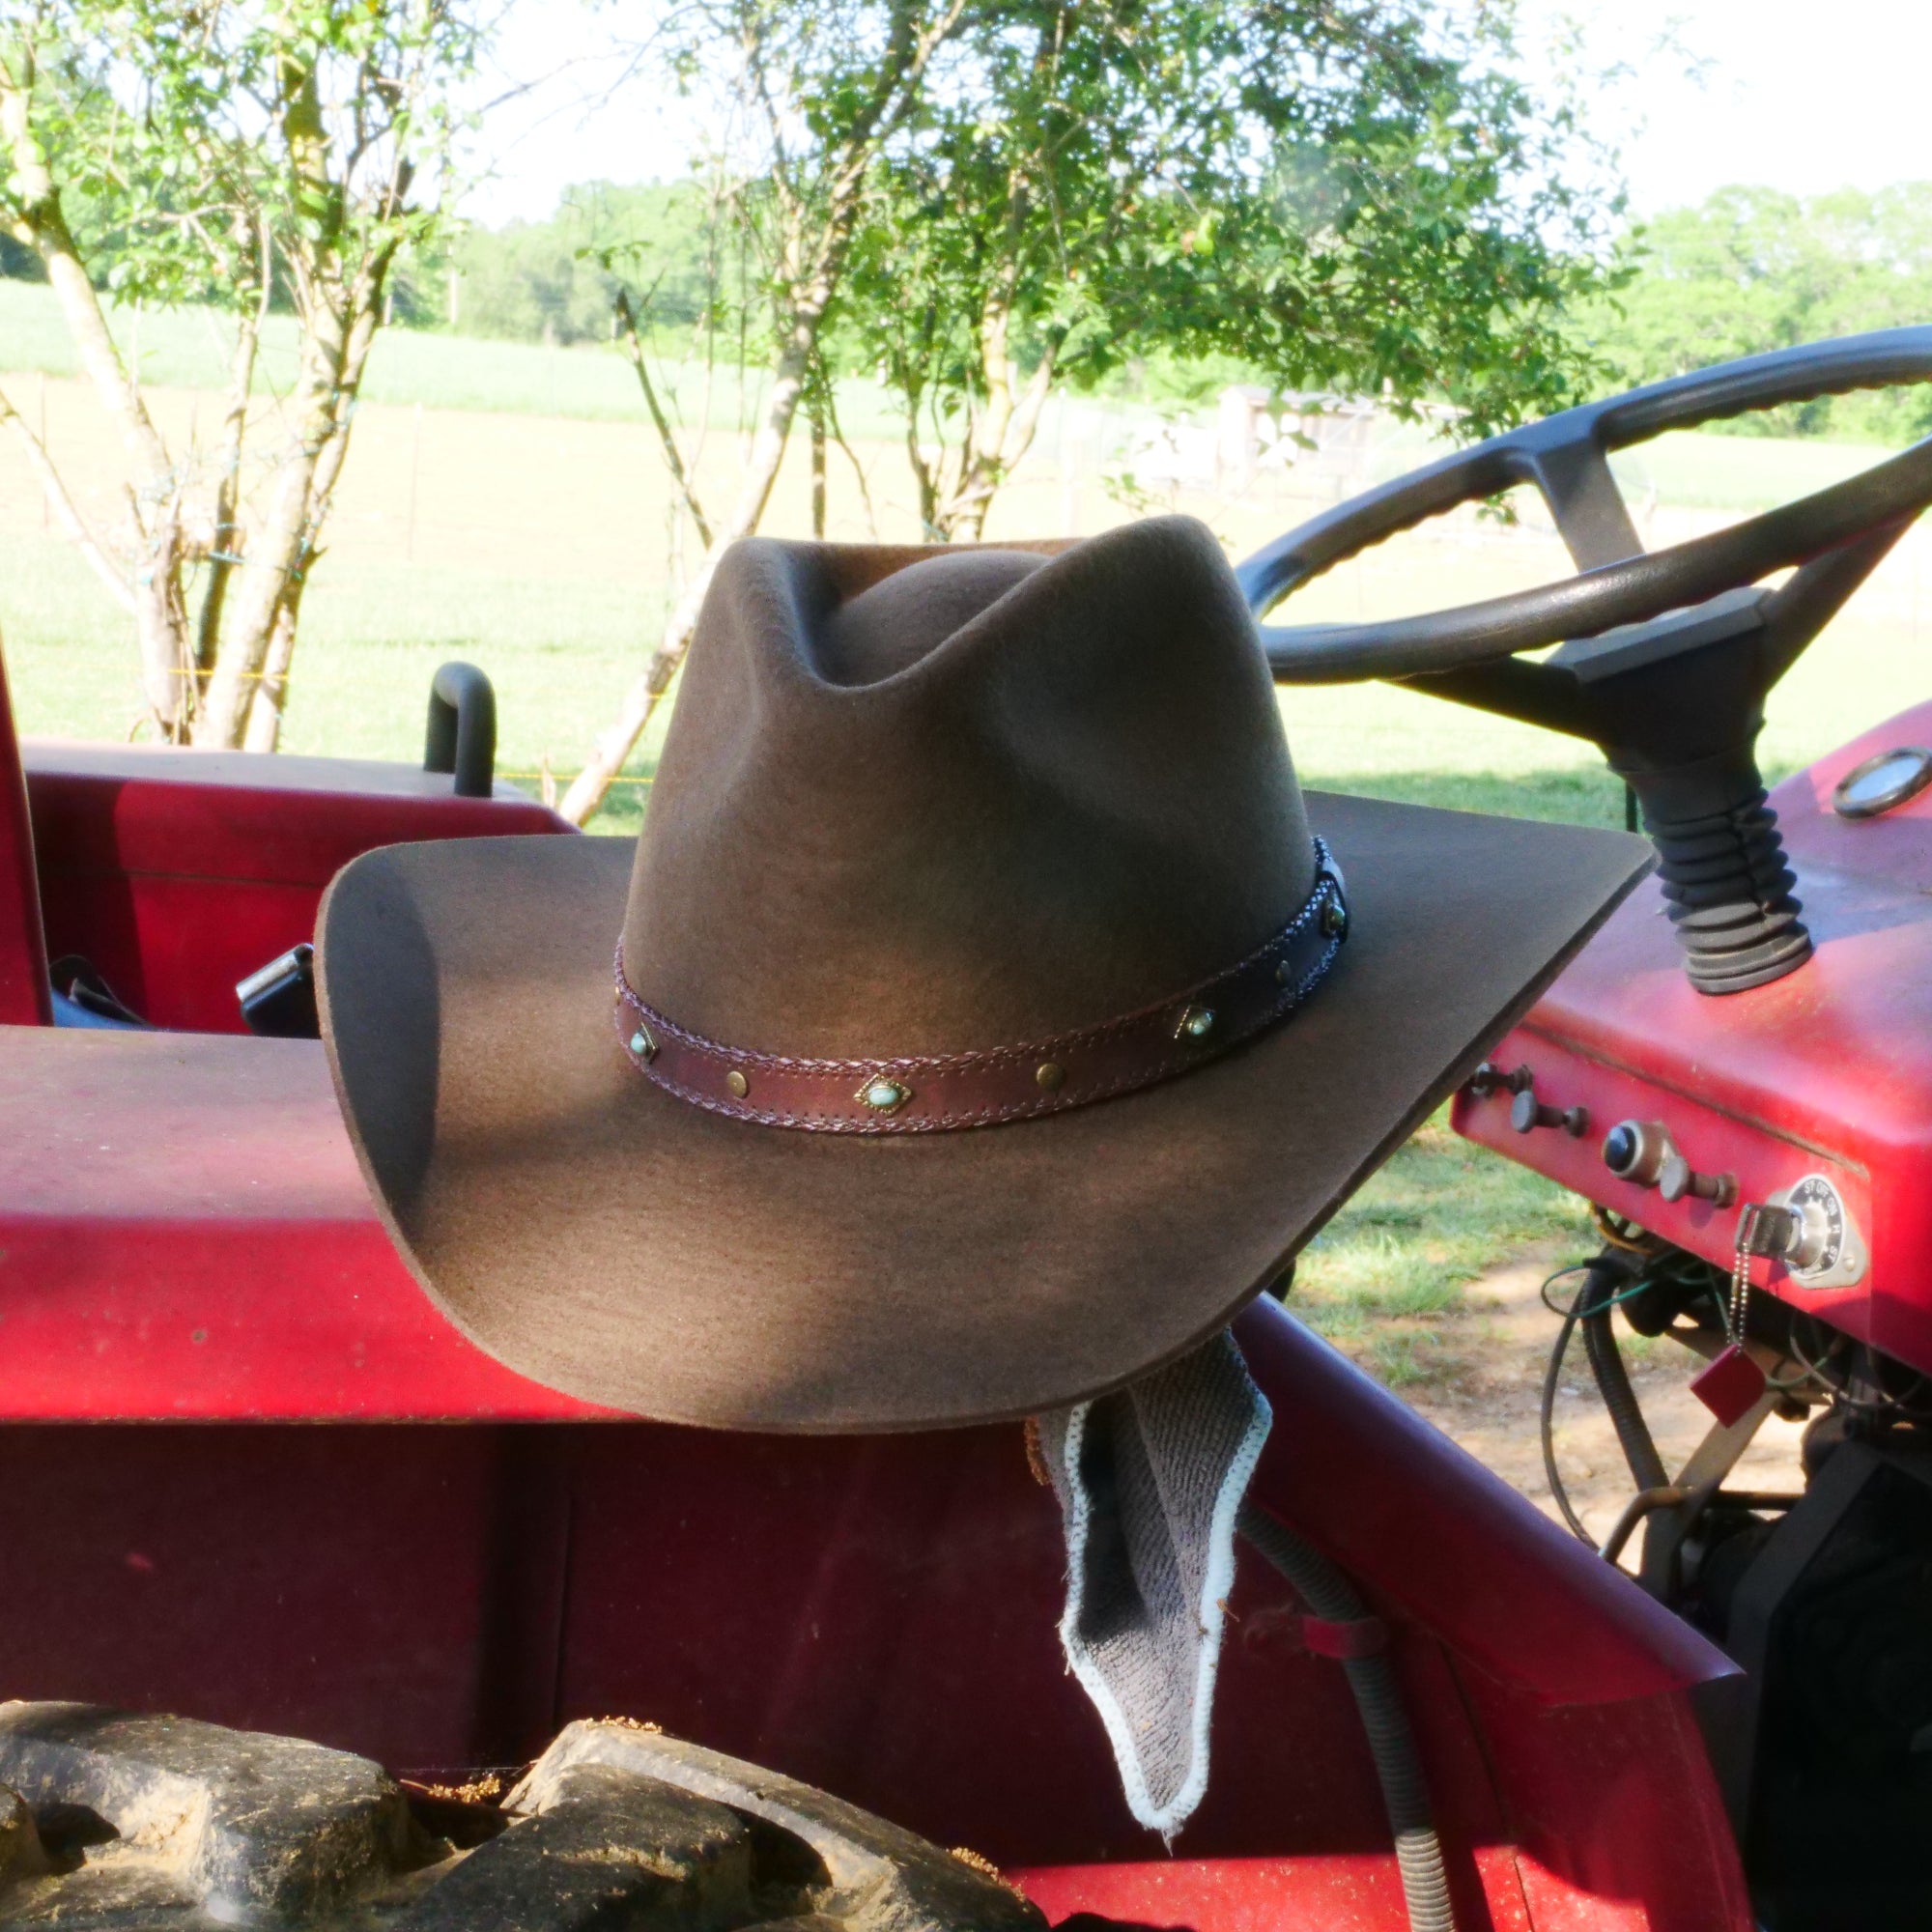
(606, 1239)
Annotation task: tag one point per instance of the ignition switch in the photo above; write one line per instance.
(1809, 1229)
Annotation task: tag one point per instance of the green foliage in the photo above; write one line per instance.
(1750, 270)
(199, 147)
(557, 281)
(1360, 198)
(240, 154)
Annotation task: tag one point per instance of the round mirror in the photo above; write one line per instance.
(1878, 783)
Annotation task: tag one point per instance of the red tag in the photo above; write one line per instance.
(1728, 1384)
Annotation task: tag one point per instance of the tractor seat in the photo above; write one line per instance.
(174, 874)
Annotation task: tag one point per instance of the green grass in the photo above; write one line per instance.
(188, 349)
(558, 651)
(1399, 1253)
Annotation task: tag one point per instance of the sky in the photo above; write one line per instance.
(1792, 94)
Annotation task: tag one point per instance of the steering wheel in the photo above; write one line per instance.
(1566, 456)
(1665, 656)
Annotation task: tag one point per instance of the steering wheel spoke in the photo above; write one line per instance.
(1797, 609)
(1518, 687)
(1573, 478)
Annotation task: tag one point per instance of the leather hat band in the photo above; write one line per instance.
(934, 1093)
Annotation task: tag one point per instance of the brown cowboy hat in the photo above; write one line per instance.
(989, 1022)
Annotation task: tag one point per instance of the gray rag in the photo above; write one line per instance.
(1150, 1481)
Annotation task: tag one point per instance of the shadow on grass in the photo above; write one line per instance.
(1384, 1279)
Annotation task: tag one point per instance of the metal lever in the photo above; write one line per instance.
(462, 733)
(1677, 1178)
(1528, 1113)
(1489, 1077)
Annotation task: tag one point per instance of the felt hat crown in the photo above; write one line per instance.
(988, 1017)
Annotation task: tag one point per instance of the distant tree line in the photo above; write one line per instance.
(1750, 270)
(546, 281)
(1747, 270)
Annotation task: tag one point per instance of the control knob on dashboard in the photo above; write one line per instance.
(1677, 1178)
(1635, 1150)
(1528, 1113)
(1489, 1077)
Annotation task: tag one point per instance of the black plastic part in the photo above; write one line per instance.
(1488, 1078)
(1609, 1273)
(1830, 1614)
(1621, 1147)
(462, 733)
(278, 1000)
(1665, 659)
(1565, 458)
(1722, 872)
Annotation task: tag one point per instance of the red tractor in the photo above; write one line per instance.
(1735, 1071)
(256, 1481)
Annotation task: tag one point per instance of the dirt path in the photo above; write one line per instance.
(1502, 1341)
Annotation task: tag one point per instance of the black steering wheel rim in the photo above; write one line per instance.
(1566, 458)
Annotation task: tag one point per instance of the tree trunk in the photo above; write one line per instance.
(225, 537)
(250, 674)
(271, 688)
(154, 493)
(815, 417)
(161, 625)
(277, 552)
(640, 702)
(1000, 435)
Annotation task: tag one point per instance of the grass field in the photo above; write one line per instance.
(531, 538)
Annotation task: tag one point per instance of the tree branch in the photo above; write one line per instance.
(63, 506)
(634, 347)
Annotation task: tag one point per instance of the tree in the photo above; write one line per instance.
(1752, 269)
(550, 280)
(252, 153)
(985, 198)
(820, 89)
(1359, 198)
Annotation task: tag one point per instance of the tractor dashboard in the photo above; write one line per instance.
(1674, 1110)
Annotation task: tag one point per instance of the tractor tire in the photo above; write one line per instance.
(122, 1823)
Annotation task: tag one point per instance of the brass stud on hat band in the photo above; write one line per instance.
(882, 1093)
(935, 1093)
